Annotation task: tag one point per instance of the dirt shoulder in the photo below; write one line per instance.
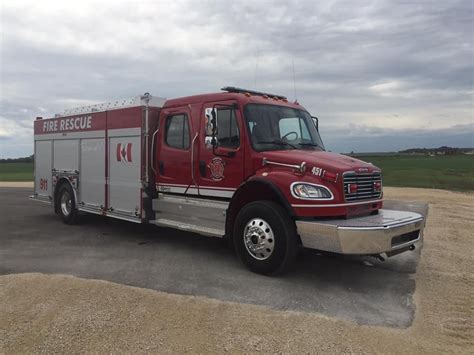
(66, 314)
(16, 184)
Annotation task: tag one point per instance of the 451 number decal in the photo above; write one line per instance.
(317, 171)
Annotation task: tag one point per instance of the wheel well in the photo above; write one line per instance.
(255, 190)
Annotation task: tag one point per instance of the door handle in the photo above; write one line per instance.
(161, 167)
(202, 168)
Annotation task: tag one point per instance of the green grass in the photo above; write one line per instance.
(450, 172)
(16, 171)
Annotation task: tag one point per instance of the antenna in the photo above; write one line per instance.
(256, 69)
(294, 81)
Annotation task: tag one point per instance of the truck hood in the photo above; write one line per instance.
(331, 161)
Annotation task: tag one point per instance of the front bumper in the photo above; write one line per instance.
(386, 232)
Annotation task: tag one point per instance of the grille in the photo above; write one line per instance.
(365, 186)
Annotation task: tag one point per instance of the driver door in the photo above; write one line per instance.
(221, 169)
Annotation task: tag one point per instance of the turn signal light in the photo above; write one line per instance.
(330, 176)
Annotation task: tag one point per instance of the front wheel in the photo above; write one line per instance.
(66, 205)
(265, 238)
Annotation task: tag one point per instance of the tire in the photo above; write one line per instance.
(66, 204)
(265, 238)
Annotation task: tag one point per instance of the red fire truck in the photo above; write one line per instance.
(239, 164)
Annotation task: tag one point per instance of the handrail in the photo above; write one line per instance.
(301, 168)
(192, 166)
(153, 151)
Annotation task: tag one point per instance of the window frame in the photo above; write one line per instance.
(230, 127)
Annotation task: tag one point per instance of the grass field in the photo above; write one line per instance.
(16, 171)
(452, 172)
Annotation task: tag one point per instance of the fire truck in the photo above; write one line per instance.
(238, 164)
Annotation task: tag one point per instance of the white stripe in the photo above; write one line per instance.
(70, 135)
(340, 204)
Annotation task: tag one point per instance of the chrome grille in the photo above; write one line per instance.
(365, 186)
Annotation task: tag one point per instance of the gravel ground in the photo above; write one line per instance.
(40, 313)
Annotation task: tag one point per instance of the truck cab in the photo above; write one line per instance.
(244, 165)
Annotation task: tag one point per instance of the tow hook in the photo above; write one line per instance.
(399, 251)
(379, 257)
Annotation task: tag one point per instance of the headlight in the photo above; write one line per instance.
(310, 191)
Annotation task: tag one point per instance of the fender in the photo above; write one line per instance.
(254, 189)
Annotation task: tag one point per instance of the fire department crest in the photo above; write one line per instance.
(217, 169)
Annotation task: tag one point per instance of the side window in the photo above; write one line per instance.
(293, 124)
(228, 134)
(177, 131)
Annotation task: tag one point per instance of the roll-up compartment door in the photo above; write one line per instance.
(92, 173)
(125, 174)
(66, 154)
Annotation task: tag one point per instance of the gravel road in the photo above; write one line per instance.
(58, 313)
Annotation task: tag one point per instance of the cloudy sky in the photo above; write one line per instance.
(381, 76)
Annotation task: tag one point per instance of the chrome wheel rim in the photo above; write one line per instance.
(258, 239)
(66, 203)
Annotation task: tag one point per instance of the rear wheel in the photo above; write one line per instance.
(265, 238)
(66, 204)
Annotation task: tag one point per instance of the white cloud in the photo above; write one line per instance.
(14, 129)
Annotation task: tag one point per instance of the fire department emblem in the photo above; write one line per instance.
(217, 169)
(124, 152)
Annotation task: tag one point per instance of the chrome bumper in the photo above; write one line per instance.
(385, 232)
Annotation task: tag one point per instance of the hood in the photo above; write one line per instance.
(320, 159)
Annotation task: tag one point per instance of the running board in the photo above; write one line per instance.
(211, 232)
(197, 215)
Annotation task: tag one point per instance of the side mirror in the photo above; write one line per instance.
(211, 121)
(316, 122)
(211, 127)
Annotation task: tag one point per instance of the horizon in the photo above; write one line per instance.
(344, 153)
(381, 77)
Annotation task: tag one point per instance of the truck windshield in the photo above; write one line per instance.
(273, 127)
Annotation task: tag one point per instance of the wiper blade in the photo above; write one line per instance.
(309, 144)
(278, 143)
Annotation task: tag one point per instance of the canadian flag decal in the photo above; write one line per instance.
(124, 152)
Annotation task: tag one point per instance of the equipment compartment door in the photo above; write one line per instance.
(92, 173)
(125, 173)
(43, 166)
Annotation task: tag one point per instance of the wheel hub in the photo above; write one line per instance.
(259, 239)
(66, 203)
